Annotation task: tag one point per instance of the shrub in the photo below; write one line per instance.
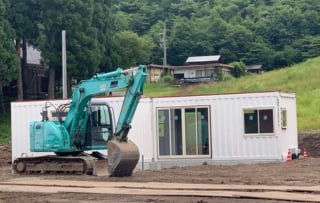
(167, 79)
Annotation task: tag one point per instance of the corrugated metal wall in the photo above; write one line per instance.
(234, 144)
(227, 126)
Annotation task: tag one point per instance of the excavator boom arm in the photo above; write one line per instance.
(129, 105)
(132, 79)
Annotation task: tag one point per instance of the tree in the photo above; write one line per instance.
(156, 34)
(237, 41)
(23, 16)
(309, 46)
(260, 52)
(83, 50)
(104, 21)
(239, 69)
(274, 33)
(133, 50)
(87, 25)
(235, 28)
(187, 38)
(8, 57)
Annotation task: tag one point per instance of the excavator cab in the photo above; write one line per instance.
(100, 126)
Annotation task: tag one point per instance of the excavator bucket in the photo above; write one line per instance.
(122, 158)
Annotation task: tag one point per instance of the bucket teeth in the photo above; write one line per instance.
(122, 158)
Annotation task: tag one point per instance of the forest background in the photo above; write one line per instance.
(104, 34)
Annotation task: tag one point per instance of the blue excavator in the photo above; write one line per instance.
(76, 130)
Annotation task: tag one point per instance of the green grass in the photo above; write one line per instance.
(5, 129)
(159, 89)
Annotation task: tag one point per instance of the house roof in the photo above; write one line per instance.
(197, 59)
(254, 67)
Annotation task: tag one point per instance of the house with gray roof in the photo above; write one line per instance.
(196, 69)
(254, 68)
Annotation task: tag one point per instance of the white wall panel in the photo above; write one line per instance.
(229, 129)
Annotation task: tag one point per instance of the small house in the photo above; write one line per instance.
(196, 69)
(254, 69)
(155, 72)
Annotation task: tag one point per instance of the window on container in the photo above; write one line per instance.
(203, 131)
(283, 118)
(266, 121)
(164, 132)
(176, 131)
(196, 131)
(250, 121)
(191, 131)
(170, 132)
(258, 121)
(183, 131)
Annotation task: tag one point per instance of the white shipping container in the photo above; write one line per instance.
(228, 114)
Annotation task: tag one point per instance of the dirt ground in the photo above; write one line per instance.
(301, 172)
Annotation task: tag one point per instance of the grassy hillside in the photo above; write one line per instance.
(302, 79)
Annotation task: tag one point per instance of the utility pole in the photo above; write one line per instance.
(164, 39)
(64, 66)
(163, 44)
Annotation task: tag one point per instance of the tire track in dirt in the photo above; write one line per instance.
(265, 192)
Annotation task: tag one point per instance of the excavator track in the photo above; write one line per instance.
(121, 161)
(54, 164)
